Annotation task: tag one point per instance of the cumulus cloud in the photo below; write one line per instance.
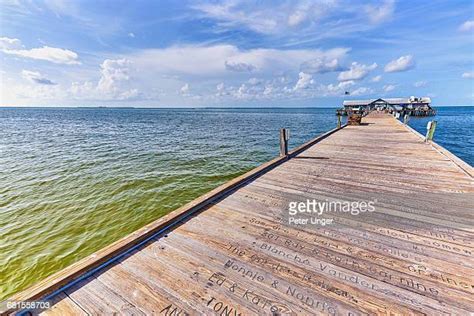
(362, 91)
(383, 12)
(36, 77)
(419, 84)
(356, 72)
(342, 87)
(12, 46)
(112, 85)
(388, 87)
(320, 66)
(467, 26)
(112, 73)
(304, 81)
(403, 63)
(339, 88)
(220, 89)
(254, 81)
(468, 75)
(268, 90)
(239, 67)
(276, 89)
(376, 78)
(184, 89)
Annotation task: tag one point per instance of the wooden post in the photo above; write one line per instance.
(338, 120)
(430, 130)
(405, 119)
(284, 136)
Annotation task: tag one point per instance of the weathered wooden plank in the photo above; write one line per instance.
(339, 277)
(63, 305)
(382, 235)
(90, 293)
(452, 275)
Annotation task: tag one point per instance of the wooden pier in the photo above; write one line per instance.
(232, 251)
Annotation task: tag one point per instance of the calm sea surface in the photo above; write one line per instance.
(74, 180)
(454, 131)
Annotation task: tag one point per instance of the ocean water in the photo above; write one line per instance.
(73, 180)
(454, 130)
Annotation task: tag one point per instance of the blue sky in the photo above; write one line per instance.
(234, 53)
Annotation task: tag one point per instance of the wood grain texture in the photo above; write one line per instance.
(237, 255)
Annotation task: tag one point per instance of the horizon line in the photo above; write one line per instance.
(190, 107)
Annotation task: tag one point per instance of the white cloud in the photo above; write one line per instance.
(304, 81)
(132, 35)
(339, 88)
(220, 60)
(221, 91)
(36, 77)
(112, 73)
(468, 75)
(419, 84)
(362, 91)
(356, 72)
(39, 92)
(389, 87)
(239, 67)
(203, 69)
(403, 63)
(184, 89)
(268, 90)
(309, 13)
(467, 26)
(297, 18)
(254, 81)
(7, 43)
(308, 20)
(232, 14)
(12, 46)
(376, 78)
(113, 83)
(63, 8)
(378, 14)
(320, 65)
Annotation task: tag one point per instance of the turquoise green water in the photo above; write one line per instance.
(74, 180)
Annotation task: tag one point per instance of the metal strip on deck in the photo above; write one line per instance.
(238, 256)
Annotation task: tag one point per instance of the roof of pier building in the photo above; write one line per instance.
(389, 101)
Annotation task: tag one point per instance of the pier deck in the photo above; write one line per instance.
(238, 255)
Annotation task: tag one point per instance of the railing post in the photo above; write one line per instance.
(431, 126)
(406, 117)
(338, 120)
(284, 136)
